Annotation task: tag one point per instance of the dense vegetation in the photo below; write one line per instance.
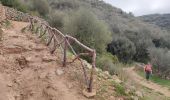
(162, 20)
(105, 28)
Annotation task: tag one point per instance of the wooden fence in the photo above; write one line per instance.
(57, 39)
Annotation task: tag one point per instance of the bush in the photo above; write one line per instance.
(92, 32)
(106, 62)
(15, 4)
(65, 4)
(120, 90)
(162, 42)
(10, 3)
(56, 19)
(41, 6)
(160, 58)
(122, 47)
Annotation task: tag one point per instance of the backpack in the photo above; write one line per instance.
(148, 68)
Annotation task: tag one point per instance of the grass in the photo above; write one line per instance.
(150, 95)
(156, 79)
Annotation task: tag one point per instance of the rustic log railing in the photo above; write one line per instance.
(56, 38)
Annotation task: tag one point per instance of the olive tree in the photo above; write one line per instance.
(41, 6)
(91, 31)
(122, 47)
(160, 58)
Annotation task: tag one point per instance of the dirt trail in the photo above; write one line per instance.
(140, 80)
(29, 72)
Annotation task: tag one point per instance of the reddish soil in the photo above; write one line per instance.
(29, 72)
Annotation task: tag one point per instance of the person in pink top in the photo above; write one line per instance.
(148, 70)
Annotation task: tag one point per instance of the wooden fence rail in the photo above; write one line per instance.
(53, 35)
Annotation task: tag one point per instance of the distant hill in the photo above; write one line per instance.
(162, 20)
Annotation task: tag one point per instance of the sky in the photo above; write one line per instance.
(142, 7)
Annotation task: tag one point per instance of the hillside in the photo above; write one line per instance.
(33, 52)
(162, 20)
(29, 71)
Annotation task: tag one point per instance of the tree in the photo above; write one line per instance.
(10, 3)
(85, 26)
(15, 4)
(41, 6)
(160, 58)
(56, 19)
(142, 41)
(122, 47)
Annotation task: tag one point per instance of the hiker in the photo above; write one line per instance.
(148, 70)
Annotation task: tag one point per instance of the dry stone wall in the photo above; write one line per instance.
(2, 13)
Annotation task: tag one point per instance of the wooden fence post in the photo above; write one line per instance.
(92, 72)
(65, 52)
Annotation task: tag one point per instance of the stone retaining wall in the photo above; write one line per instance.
(2, 13)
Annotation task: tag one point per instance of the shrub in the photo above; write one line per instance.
(41, 6)
(85, 26)
(65, 4)
(106, 62)
(123, 48)
(120, 90)
(56, 19)
(10, 3)
(160, 58)
(15, 4)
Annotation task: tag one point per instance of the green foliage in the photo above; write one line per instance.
(41, 6)
(64, 4)
(6, 23)
(160, 58)
(56, 19)
(142, 41)
(120, 90)
(88, 29)
(10, 3)
(162, 42)
(131, 37)
(15, 4)
(106, 62)
(156, 79)
(123, 48)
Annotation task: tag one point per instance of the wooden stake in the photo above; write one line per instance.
(92, 72)
(65, 52)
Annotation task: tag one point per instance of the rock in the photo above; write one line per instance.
(3, 29)
(132, 88)
(42, 75)
(120, 98)
(22, 61)
(112, 98)
(29, 59)
(9, 84)
(97, 69)
(118, 81)
(106, 73)
(89, 66)
(10, 97)
(127, 91)
(89, 94)
(135, 98)
(139, 94)
(114, 77)
(70, 85)
(59, 72)
(48, 59)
